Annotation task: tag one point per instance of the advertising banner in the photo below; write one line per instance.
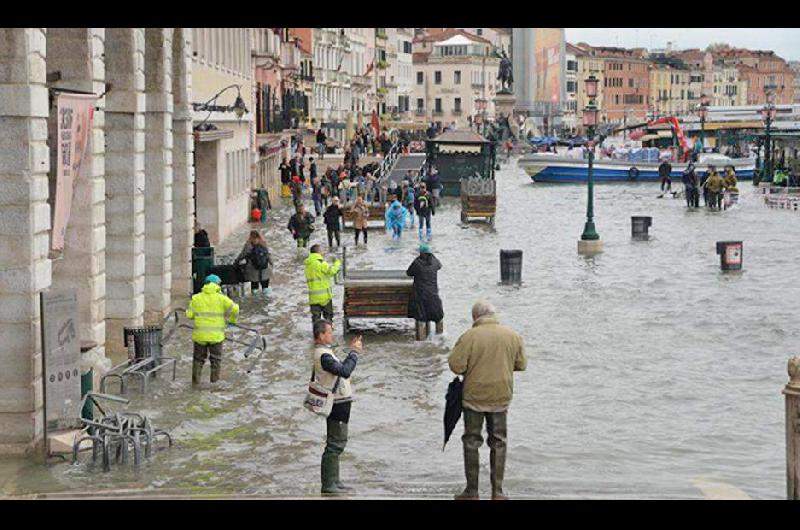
(550, 64)
(75, 113)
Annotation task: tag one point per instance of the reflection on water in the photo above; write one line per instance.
(651, 373)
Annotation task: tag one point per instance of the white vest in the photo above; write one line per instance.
(344, 392)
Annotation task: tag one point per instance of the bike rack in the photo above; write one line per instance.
(113, 436)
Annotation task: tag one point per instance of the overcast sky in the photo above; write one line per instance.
(783, 41)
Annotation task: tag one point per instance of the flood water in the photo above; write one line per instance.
(651, 374)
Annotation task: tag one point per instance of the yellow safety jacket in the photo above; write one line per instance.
(318, 277)
(210, 309)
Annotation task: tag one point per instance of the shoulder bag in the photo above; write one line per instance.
(319, 399)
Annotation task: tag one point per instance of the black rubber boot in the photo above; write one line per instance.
(215, 371)
(471, 470)
(336, 441)
(341, 436)
(197, 372)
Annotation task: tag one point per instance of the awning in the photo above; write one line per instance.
(459, 148)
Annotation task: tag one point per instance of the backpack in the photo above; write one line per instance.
(259, 257)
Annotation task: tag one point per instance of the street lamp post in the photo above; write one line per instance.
(590, 243)
(768, 112)
(702, 111)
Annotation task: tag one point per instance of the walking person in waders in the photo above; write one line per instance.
(258, 267)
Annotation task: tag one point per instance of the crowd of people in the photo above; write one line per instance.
(711, 183)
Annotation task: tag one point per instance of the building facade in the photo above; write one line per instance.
(761, 71)
(453, 71)
(405, 72)
(224, 143)
(127, 249)
(332, 84)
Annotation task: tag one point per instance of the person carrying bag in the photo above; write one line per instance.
(330, 395)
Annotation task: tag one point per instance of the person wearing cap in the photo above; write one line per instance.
(210, 310)
(425, 304)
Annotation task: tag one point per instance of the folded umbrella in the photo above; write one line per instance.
(452, 407)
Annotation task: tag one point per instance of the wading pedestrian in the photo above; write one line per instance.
(335, 375)
(258, 267)
(319, 274)
(360, 216)
(487, 356)
(333, 218)
(210, 309)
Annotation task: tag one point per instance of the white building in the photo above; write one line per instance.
(454, 70)
(405, 71)
(332, 84)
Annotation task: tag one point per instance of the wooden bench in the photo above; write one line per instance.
(377, 214)
(484, 206)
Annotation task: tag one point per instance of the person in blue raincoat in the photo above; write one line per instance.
(396, 219)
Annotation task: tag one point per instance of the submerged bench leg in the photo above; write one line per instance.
(440, 327)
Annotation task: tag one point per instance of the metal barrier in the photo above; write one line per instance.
(145, 366)
(114, 436)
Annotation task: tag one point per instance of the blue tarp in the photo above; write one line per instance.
(543, 140)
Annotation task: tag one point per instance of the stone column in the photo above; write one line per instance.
(76, 54)
(24, 239)
(792, 393)
(182, 163)
(125, 183)
(158, 173)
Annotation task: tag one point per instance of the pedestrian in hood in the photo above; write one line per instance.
(487, 356)
(301, 224)
(210, 309)
(425, 304)
(690, 186)
(335, 375)
(396, 219)
(319, 274)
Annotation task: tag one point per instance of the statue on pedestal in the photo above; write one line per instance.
(505, 74)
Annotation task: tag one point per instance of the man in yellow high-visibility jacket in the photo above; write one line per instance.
(318, 277)
(210, 309)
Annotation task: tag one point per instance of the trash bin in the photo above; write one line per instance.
(202, 262)
(730, 255)
(510, 267)
(143, 342)
(640, 226)
(87, 384)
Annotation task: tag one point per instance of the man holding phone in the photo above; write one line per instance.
(328, 371)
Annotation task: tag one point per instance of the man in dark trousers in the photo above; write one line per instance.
(487, 356)
(664, 172)
(301, 224)
(335, 375)
(333, 216)
(425, 304)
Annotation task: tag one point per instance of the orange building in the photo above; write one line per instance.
(760, 69)
(626, 83)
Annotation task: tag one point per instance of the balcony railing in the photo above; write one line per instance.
(437, 112)
(456, 112)
(420, 112)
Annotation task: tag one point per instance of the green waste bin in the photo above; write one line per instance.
(202, 262)
(87, 386)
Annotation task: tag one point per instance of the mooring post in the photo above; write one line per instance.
(792, 393)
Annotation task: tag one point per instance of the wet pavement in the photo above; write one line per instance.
(651, 374)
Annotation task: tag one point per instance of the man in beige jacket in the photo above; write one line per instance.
(487, 356)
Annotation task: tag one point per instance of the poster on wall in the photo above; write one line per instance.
(61, 357)
(74, 116)
(550, 63)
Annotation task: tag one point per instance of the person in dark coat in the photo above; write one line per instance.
(425, 305)
(333, 226)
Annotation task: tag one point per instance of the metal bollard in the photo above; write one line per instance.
(730, 255)
(511, 267)
(640, 226)
(792, 393)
